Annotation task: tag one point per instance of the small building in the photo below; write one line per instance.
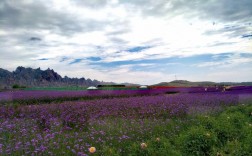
(91, 88)
(143, 87)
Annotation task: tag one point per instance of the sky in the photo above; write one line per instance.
(134, 41)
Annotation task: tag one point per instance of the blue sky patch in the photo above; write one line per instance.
(247, 55)
(219, 57)
(94, 58)
(138, 49)
(43, 59)
(75, 61)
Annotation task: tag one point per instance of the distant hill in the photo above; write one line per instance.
(41, 78)
(185, 83)
(129, 84)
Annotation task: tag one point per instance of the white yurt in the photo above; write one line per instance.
(91, 88)
(143, 87)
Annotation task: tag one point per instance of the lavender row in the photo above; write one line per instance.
(25, 95)
(125, 107)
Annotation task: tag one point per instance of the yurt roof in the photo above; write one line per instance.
(143, 87)
(91, 87)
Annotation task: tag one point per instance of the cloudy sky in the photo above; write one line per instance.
(136, 41)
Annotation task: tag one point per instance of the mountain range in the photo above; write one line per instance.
(29, 77)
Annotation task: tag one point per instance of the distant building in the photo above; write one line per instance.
(143, 87)
(91, 88)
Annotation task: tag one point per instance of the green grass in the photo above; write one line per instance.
(77, 88)
(57, 88)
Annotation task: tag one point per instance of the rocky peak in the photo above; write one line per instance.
(19, 69)
(4, 73)
(50, 75)
(40, 78)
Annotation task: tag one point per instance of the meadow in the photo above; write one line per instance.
(156, 122)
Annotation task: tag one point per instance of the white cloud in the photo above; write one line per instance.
(240, 75)
(80, 29)
(231, 61)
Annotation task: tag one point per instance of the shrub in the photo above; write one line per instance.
(206, 121)
(197, 141)
(229, 126)
(247, 144)
(15, 86)
(230, 148)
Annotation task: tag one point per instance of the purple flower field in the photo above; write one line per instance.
(72, 127)
(124, 107)
(26, 95)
